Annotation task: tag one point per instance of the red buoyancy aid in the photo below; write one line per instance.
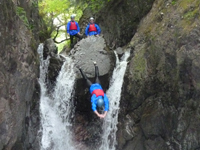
(73, 26)
(98, 92)
(92, 28)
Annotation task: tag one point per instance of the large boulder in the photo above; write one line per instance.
(93, 49)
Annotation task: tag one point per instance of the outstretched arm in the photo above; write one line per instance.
(101, 115)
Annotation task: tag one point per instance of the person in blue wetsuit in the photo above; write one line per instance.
(73, 30)
(92, 28)
(99, 99)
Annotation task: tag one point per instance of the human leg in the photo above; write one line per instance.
(96, 73)
(71, 40)
(78, 36)
(89, 83)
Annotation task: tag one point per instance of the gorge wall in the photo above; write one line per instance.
(19, 71)
(160, 106)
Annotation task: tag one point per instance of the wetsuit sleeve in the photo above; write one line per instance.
(68, 26)
(106, 101)
(98, 29)
(94, 106)
(78, 29)
(86, 30)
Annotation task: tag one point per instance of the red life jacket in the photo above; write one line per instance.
(73, 26)
(98, 92)
(92, 28)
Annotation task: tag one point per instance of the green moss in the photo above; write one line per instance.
(22, 15)
(139, 64)
(190, 15)
(184, 4)
(173, 2)
(148, 30)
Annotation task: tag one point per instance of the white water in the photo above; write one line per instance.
(56, 108)
(114, 93)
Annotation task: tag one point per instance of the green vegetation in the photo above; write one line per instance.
(190, 9)
(140, 64)
(22, 15)
(191, 14)
(56, 14)
(173, 2)
(96, 5)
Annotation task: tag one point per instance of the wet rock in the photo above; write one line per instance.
(55, 62)
(50, 48)
(88, 130)
(120, 52)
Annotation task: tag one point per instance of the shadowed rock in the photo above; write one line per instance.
(55, 62)
(50, 48)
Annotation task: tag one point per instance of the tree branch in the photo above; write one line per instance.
(60, 41)
(57, 31)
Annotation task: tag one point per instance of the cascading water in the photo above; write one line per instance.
(114, 93)
(56, 109)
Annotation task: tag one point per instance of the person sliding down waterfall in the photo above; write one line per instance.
(92, 28)
(99, 99)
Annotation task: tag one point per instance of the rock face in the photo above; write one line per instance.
(19, 71)
(118, 20)
(50, 48)
(55, 62)
(160, 104)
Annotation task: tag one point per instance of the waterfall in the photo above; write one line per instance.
(114, 93)
(56, 108)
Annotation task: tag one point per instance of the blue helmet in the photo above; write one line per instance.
(100, 102)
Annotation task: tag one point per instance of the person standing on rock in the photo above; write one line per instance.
(92, 28)
(99, 99)
(73, 30)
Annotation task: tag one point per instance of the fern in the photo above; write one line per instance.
(22, 15)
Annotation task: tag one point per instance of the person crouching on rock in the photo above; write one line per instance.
(73, 30)
(99, 100)
(92, 28)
